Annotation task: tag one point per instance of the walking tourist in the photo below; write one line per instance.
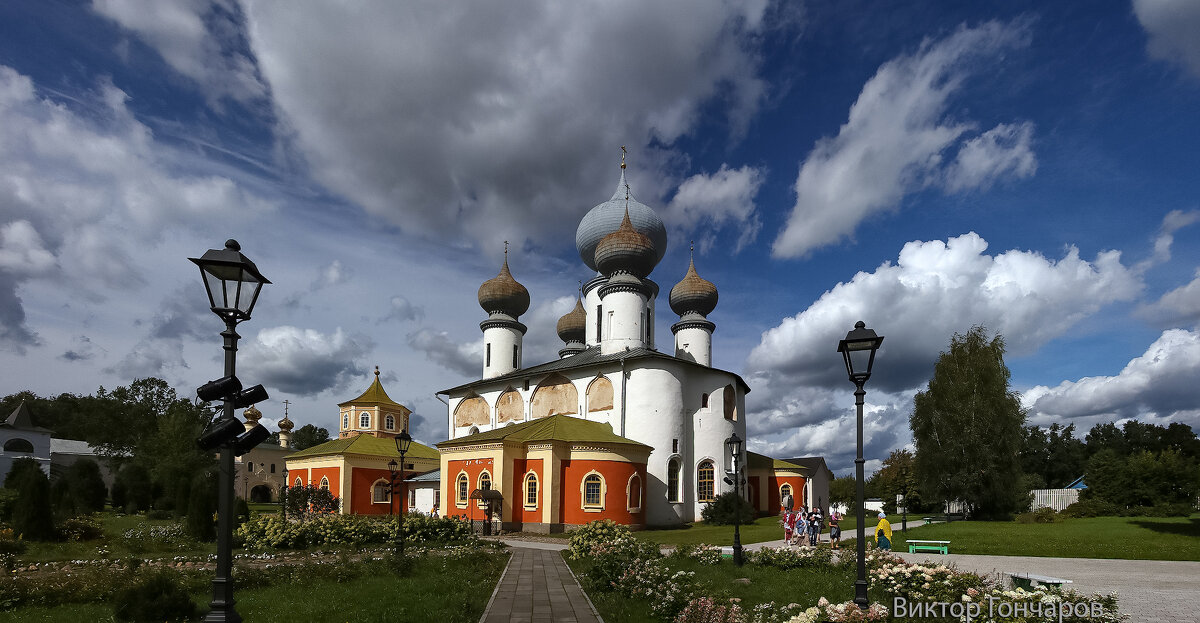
(835, 530)
(787, 522)
(883, 533)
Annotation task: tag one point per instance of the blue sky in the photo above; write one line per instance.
(924, 167)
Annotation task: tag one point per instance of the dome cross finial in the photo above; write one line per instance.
(376, 370)
(622, 156)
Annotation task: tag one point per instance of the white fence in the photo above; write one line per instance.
(1057, 499)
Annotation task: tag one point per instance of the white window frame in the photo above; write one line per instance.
(364, 415)
(390, 421)
(531, 476)
(461, 502)
(583, 501)
(699, 496)
(387, 494)
(678, 473)
(632, 505)
(325, 483)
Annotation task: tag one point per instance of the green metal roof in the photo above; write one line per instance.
(367, 445)
(761, 461)
(553, 428)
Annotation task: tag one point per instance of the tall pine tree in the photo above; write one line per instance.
(967, 428)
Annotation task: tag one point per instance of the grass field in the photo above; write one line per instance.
(374, 597)
(1137, 538)
(113, 545)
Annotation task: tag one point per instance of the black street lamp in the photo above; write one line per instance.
(734, 445)
(403, 441)
(858, 349)
(392, 482)
(232, 282)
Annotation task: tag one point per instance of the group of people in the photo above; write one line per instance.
(806, 525)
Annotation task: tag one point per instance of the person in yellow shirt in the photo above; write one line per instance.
(883, 533)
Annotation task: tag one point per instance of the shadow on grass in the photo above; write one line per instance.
(1192, 528)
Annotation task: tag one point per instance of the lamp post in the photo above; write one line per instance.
(403, 441)
(233, 283)
(392, 487)
(283, 492)
(734, 445)
(858, 351)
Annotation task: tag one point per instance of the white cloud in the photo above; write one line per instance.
(1003, 150)
(200, 39)
(401, 309)
(709, 202)
(1179, 307)
(1172, 222)
(303, 362)
(1172, 26)
(1158, 385)
(22, 251)
(895, 137)
(493, 121)
(465, 359)
(934, 290)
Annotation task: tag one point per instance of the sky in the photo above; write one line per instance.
(925, 167)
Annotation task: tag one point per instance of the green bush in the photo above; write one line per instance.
(727, 509)
(272, 531)
(8, 500)
(1044, 514)
(1091, 508)
(85, 486)
(201, 506)
(1159, 510)
(159, 514)
(594, 533)
(132, 489)
(241, 511)
(19, 469)
(32, 516)
(156, 597)
(82, 528)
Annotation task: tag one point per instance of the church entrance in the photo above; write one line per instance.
(260, 494)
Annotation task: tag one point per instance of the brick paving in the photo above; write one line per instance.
(538, 587)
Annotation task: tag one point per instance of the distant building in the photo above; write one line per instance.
(19, 438)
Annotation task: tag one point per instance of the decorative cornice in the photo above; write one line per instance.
(593, 283)
(694, 323)
(502, 322)
(634, 284)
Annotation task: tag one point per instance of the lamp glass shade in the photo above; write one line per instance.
(403, 442)
(858, 350)
(392, 465)
(231, 280)
(733, 447)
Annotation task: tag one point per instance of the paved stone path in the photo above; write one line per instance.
(537, 587)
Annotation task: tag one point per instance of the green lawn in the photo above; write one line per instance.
(1138, 538)
(763, 529)
(114, 545)
(375, 596)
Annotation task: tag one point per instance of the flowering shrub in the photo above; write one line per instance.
(793, 558)
(272, 531)
(172, 534)
(770, 613)
(708, 610)
(849, 612)
(11, 546)
(594, 533)
(923, 581)
(707, 554)
(82, 528)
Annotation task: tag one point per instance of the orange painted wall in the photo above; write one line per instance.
(473, 467)
(362, 479)
(334, 476)
(616, 475)
(302, 474)
(521, 467)
(774, 505)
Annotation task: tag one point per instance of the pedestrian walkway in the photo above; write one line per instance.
(538, 587)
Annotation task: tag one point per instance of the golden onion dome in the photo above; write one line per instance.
(626, 250)
(572, 327)
(693, 294)
(252, 414)
(286, 425)
(503, 294)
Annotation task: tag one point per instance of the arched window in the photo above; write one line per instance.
(364, 419)
(704, 482)
(463, 483)
(729, 403)
(345, 420)
(593, 491)
(299, 483)
(473, 430)
(673, 480)
(633, 494)
(485, 481)
(390, 422)
(325, 483)
(379, 492)
(531, 490)
(784, 492)
(704, 400)
(18, 445)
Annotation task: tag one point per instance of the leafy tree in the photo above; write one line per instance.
(132, 489)
(19, 469)
(85, 486)
(308, 436)
(967, 428)
(728, 509)
(32, 517)
(201, 506)
(842, 491)
(1142, 479)
(898, 477)
(1106, 436)
(1052, 457)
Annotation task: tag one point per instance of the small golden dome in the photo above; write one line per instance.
(693, 294)
(626, 250)
(252, 414)
(504, 294)
(286, 425)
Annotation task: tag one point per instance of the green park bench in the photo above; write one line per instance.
(941, 547)
(1030, 581)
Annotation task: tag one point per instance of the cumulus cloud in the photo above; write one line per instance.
(938, 288)
(709, 202)
(437, 117)
(1160, 384)
(22, 251)
(1172, 222)
(1172, 26)
(200, 39)
(885, 427)
(1179, 307)
(303, 362)
(895, 138)
(401, 309)
(465, 359)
